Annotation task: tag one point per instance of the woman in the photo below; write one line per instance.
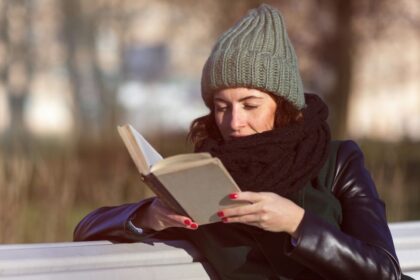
(314, 211)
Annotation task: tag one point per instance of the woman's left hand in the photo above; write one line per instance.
(268, 211)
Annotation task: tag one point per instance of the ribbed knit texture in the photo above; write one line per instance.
(255, 53)
(281, 160)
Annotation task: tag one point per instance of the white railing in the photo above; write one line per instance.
(170, 260)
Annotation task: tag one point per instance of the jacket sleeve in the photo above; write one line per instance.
(112, 223)
(363, 248)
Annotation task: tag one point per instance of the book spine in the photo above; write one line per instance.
(159, 189)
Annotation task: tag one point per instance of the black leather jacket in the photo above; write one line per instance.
(361, 249)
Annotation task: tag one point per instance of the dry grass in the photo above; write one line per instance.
(44, 194)
(395, 169)
(15, 178)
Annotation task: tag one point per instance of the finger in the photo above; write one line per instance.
(165, 222)
(180, 220)
(239, 211)
(175, 220)
(164, 218)
(252, 197)
(247, 219)
(161, 210)
(168, 218)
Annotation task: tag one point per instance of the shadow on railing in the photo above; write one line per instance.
(157, 260)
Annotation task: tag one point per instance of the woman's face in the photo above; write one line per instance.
(242, 111)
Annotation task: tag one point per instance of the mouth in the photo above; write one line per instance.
(236, 134)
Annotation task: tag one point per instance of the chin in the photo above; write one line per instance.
(234, 137)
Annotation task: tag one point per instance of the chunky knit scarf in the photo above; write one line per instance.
(281, 160)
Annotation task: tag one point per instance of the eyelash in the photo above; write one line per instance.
(250, 107)
(246, 107)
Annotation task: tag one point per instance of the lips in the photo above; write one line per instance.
(236, 136)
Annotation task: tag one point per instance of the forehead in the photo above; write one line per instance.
(239, 94)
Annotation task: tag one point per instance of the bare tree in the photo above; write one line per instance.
(16, 68)
(336, 51)
(94, 92)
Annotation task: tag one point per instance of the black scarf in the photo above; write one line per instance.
(281, 160)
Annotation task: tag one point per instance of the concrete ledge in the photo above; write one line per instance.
(170, 260)
(85, 256)
(52, 245)
(406, 235)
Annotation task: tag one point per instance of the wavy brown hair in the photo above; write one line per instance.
(205, 126)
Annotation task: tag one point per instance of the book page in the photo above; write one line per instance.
(151, 156)
(179, 159)
(201, 188)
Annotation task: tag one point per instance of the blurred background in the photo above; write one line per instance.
(72, 70)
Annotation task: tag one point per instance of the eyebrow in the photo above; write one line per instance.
(240, 100)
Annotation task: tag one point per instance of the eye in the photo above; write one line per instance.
(219, 108)
(250, 107)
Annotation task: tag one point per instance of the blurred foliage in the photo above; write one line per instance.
(47, 186)
(46, 193)
(394, 167)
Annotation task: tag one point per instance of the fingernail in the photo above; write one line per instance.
(194, 226)
(187, 222)
(224, 220)
(220, 214)
(233, 196)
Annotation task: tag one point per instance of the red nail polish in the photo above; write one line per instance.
(194, 225)
(233, 196)
(220, 214)
(187, 222)
(224, 220)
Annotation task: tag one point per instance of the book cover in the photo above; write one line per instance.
(196, 185)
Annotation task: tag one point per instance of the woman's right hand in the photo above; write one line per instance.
(159, 217)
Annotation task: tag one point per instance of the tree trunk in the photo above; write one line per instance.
(95, 108)
(16, 72)
(340, 51)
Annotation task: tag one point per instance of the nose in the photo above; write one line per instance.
(236, 119)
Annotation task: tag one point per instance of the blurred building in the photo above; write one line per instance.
(164, 46)
(385, 100)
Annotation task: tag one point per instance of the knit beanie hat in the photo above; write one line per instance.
(255, 53)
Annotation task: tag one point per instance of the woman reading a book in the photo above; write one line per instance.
(313, 212)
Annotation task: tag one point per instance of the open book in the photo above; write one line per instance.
(196, 185)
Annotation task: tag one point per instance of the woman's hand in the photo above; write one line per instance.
(159, 217)
(268, 211)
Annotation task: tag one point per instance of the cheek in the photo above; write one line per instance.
(271, 116)
(271, 119)
(218, 117)
(265, 121)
